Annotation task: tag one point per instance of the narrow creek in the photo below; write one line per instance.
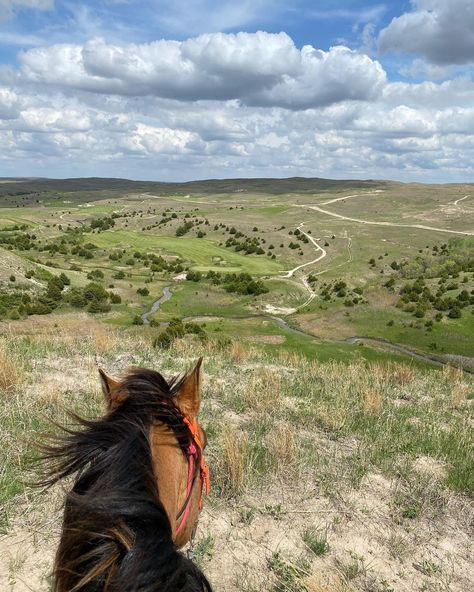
(387, 345)
(167, 293)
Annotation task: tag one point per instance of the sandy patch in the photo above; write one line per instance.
(430, 467)
(279, 310)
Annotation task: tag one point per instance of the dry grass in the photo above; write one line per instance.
(231, 471)
(291, 441)
(452, 373)
(11, 369)
(104, 340)
(282, 445)
(262, 392)
(402, 374)
(331, 417)
(238, 352)
(372, 402)
(459, 394)
(325, 581)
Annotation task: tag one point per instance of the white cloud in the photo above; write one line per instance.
(326, 77)
(398, 134)
(52, 120)
(9, 104)
(420, 68)
(20, 39)
(400, 121)
(456, 92)
(228, 105)
(256, 68)
(147, 139)
(7, 7)
(442, 31)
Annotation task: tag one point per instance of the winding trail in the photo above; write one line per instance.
(304, 279)
(461, 199)
(288, 274)
(61, 217)
(392, 224)
(349, 260)
(330, 201)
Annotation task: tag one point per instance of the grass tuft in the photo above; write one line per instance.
(11, 369)
(316, 540)
(231, 471)
(238, 352)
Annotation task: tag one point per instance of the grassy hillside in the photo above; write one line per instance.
(327, 476)
(331, 258)
(27, 186)
(340, 462)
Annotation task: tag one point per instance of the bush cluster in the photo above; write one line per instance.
(177, 329)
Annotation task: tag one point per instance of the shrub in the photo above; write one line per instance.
(95, 274)
(164, 340)
(95, 291)
(194, 276)
(76, 298)
(115, 298)
(38, 308)
(177, 329)
(96, 306)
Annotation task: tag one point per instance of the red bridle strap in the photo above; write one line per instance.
(194, 451)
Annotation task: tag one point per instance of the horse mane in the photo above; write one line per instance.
(116, 534)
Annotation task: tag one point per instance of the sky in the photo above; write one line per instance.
(196, 89)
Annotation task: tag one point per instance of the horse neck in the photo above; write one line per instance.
(170, 468)
(101, 551)
(116, 533)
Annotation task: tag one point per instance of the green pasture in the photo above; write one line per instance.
(199, 298)
(273, 216)
(331, 319)
(9, 220)
(256, 331)
(204, 253)
(454, 336)
(285, 293)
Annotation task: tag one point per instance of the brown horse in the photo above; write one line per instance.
(139, 476)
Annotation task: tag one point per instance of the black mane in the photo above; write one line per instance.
(116, 533)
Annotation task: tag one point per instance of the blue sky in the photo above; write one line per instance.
(135, 21)
(196, 89)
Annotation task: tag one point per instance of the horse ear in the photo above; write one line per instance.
(188, 398)
(109, 385)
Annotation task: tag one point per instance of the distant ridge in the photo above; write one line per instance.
(18, 186)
